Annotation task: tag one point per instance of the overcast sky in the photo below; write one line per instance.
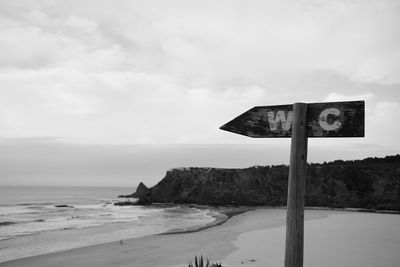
(82, 76)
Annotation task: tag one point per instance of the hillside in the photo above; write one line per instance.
(372, 183)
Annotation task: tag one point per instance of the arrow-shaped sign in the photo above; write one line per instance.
(299, 121)
(334, 119)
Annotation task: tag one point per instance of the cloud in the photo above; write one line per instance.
(335, 97)
(115, 106)
(382, 125)
(172, 72)
(258, 40)
(152, 72)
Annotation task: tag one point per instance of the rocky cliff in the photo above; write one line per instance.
(372, 183)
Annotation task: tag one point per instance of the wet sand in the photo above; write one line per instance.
(254, 238)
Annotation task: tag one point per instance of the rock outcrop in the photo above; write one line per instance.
(141, 192)
(372, 183)
(63, 206)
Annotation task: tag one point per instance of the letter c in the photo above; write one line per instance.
(323, 119)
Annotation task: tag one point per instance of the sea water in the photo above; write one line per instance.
(32, 224)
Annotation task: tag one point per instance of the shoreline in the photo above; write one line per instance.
(159, 244)
(222, 216)
(230, 216)
(355, 210)
(227, 215)
(253, 238)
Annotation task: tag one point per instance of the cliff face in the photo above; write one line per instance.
(251, 186)
(371, 183)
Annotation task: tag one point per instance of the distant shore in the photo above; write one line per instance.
(220, 214)
(251, 238)
(225, 213)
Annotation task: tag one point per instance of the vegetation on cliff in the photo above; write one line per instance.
(372, 183)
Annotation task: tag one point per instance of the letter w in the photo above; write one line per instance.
(280, 118)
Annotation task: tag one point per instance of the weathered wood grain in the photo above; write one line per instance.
(296, 189)
(331, 119)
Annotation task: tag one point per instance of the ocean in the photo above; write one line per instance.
(39, 219)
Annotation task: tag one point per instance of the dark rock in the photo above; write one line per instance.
(140, 202)
(141, 192)
(145, 200)
(63, 206)
(125, 196)
(7, 223)
(372, 183)
(126, 203)
(211, 186)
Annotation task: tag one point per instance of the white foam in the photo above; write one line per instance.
(102, 223)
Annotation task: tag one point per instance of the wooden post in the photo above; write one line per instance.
(299, 121)
(296, 188)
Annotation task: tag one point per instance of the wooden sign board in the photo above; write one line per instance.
(299, 121)
(334, 119)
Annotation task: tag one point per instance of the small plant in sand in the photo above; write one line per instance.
(199, 262)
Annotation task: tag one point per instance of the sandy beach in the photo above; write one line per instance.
(254, 238)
